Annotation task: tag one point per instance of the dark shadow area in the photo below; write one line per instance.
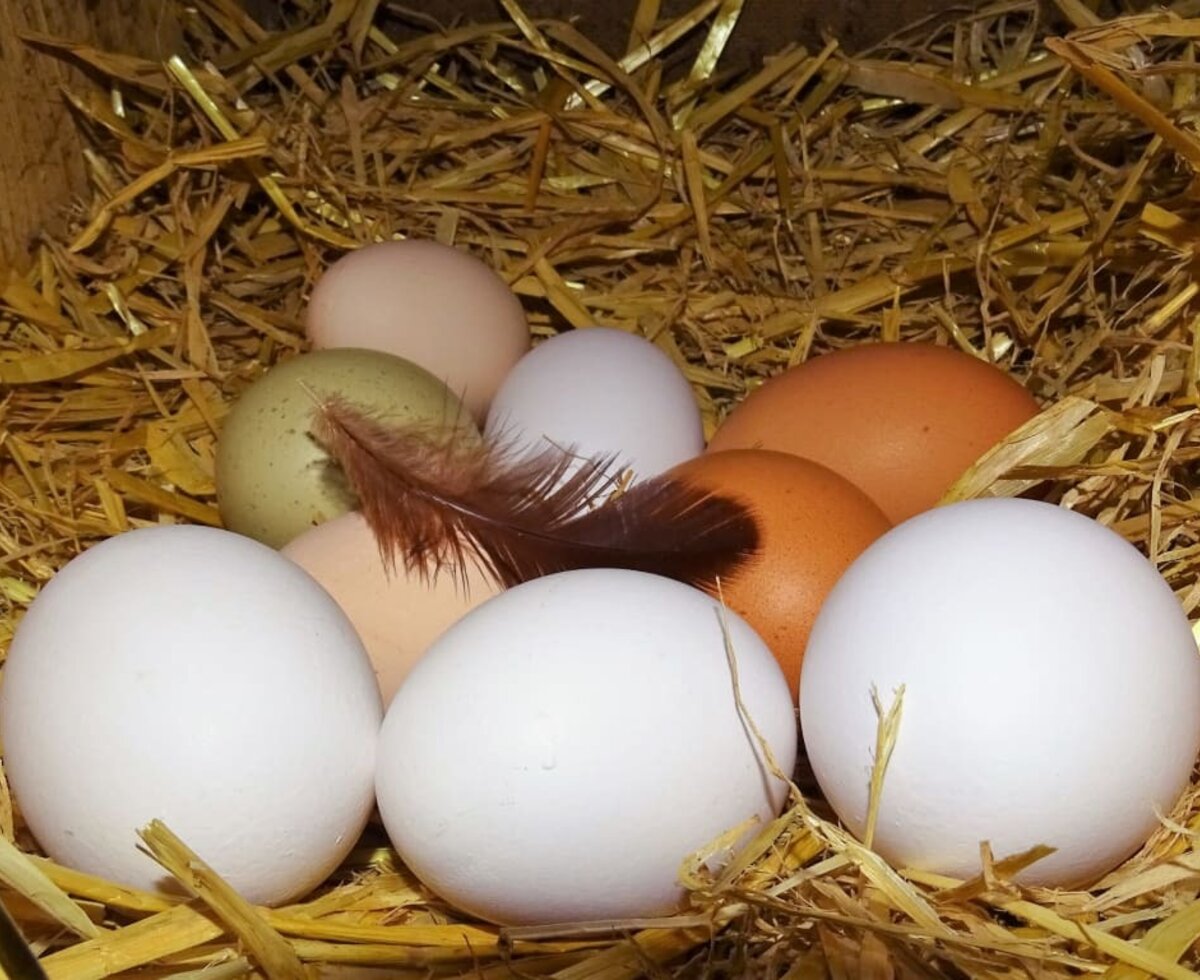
(764, 27)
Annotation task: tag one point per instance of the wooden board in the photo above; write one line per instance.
(40, 163)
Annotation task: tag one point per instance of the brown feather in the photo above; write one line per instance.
(436, 502)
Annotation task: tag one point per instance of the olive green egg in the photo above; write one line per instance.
(274, 479)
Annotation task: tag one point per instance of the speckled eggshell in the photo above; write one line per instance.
(430, 303)
(397, 614)
(903, 421)
(274, 480)
(812, 525)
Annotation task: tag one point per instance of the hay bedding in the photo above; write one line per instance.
(1025, 193)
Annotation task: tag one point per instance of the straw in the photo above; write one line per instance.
(1020, 189)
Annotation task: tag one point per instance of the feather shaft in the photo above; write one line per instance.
(435, 501)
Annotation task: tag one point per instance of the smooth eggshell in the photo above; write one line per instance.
(600, 391)
(194, 676)
(561, 750)
(812, 524)
(1051, 691)
(274, 480)
(903, 421)
(397, 614)
(432, 304)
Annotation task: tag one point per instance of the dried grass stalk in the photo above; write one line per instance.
(1022, 190)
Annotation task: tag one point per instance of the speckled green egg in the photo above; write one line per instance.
(274, 480)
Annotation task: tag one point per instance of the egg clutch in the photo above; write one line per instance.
(505, 596)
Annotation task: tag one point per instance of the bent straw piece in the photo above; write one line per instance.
(184, 75)
(1170, 938)
(1061, 435)
(174, 931)
(107, 893)
(1132, 954)
(273, 954)
(22, 874)
(641, 54)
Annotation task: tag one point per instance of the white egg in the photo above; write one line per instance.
(1051, 691)
(560, 751)
(600, 391)
(198, 677)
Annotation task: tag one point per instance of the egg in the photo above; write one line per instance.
(274, 479)
(811, 523)
(191, 675)
(429, 303)
(600, 391)
(563, 748)
(901, 420)
(1051, 691)
(397, 614)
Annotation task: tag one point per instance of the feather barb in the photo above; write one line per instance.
(436, 500)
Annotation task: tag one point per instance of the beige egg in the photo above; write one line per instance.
(397, 617)
(438, 306)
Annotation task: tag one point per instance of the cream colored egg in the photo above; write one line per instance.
(437, 306)
(397, 617)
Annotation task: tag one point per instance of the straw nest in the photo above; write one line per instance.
(1021, 191)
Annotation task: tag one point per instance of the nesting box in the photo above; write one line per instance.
(727, 179)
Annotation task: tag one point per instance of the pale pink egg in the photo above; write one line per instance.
(396, 617)
(434, 305)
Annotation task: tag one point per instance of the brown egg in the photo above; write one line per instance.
(812, 524)
(397, 616)
(901, 420)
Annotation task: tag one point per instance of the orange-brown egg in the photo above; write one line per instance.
(903, 421)
(812, 524)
